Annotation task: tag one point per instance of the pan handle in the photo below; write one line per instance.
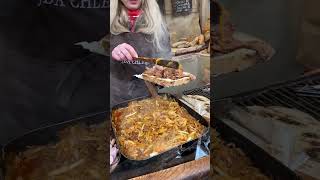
(182, 150)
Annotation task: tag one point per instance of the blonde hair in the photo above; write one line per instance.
(154, 23)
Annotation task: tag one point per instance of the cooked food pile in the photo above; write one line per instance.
(230, 163)
(80, 154)
(165, 76)
(149, 127)
(164, 72)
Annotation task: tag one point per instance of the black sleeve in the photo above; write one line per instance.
(48, 31)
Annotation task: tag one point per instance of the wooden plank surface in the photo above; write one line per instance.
(152, 89)
(304, 176)
(311, 72)
(191, 170)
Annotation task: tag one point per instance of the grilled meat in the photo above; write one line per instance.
(164, 72)
(169, 73)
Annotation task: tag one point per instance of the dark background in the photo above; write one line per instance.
(44, 78)
(276, 22)
(37, 52)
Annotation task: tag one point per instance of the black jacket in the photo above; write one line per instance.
(123, 85)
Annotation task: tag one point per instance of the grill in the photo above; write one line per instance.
(298, 94)
(203, 91)
(302, 94)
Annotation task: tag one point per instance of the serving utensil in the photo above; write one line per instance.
(160, 62)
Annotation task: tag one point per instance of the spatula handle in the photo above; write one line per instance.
(152, 89)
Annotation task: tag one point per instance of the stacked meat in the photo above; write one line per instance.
(164, 72)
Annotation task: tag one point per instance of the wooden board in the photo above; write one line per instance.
(191, 170)
(311, 72)
(152, 89)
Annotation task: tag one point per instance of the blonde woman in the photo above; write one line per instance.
(137, 29)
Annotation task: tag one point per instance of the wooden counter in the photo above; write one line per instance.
(197, 169)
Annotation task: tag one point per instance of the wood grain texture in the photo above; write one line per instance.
(152, 89)
(304, 176)
(311, 72)
(198, 169)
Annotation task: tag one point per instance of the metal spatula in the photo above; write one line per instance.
(160, 62)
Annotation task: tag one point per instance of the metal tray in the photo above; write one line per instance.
(45, 135)
(260, 158)
(202, 91)
(186, 145)
(291, 84)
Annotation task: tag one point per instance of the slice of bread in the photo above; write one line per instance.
(187, 77)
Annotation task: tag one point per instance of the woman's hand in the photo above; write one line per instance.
(124, 52)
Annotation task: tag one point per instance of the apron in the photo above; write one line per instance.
(124, 86)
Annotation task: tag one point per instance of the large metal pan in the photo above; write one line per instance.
(186, 145)
(44, 136)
